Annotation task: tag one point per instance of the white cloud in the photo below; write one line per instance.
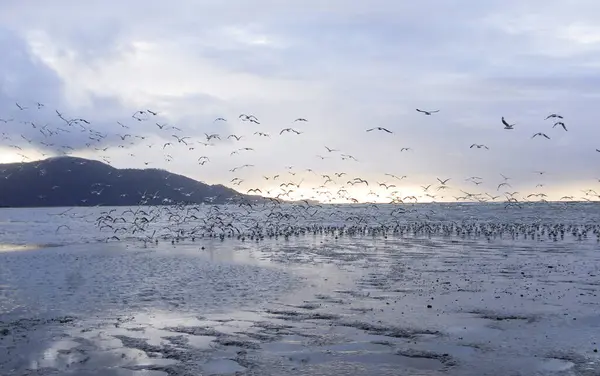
(346, 66)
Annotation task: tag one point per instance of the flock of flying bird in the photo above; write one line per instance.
(277, 215)
(334, 188)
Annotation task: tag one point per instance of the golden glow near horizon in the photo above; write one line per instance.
(305, 186)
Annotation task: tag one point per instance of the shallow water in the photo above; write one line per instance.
(305, 305)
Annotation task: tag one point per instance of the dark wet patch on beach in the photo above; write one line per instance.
(301, 316)
(444, 359)
(388, 331)
(489, 315)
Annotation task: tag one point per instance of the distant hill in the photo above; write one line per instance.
(70, 181)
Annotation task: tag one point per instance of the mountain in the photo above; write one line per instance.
(71, 181)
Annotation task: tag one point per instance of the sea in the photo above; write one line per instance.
(283, 289)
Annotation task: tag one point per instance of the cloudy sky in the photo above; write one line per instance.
(344, 66)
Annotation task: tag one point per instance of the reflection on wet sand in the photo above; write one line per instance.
(309, 306)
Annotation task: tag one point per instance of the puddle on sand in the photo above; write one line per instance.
(401, 361)
(555, 365)
(222, 367)
(200, 342)
(117, 372)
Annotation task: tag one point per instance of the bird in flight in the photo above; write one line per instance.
(561, 124)
(289, 130)
(505, 184)
(219, 119)
(250, 118)
(396, 177)
(300, 119)
(443, 182)
(427, 112)
(330, 150)
(553, 116)
(540, 134)
(506, 125)
(380, 129)
(479, 146)
(181, 140)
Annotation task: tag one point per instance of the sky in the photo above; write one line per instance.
(344, 66)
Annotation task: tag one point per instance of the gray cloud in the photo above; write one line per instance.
(346, 67)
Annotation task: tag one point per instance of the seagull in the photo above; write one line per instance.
(503, 185)
(553, 116)
(561, 124)
(540, 134)
(219, 119)
(250, 118)
(396, 177)
(506, 125)
(289, 130)
(21, 107)
(300, 119)
(478, 146)
(330, 150)
(428, 112)
(181, 140)
(443, 182)
(379, 129)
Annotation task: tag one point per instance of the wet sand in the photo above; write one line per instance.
(312, 305)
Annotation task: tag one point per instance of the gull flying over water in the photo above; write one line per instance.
(427, 112)
(561, 124)
(380, 129)
(289, 130)
(250, 118)
(506, 125)
(540, 134)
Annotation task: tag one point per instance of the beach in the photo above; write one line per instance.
(310, 304)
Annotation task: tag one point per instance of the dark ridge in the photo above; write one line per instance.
(71, 181)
